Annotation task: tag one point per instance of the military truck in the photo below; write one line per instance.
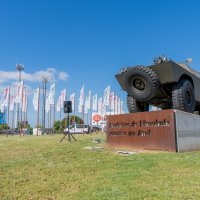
(166, 84)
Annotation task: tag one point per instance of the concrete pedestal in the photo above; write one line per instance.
(169, 130)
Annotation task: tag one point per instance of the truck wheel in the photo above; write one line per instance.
(141, 83)
(183, 96)
(135, 106)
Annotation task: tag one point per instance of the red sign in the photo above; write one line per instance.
(97, 118)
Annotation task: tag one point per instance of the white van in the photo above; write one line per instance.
(78, 128)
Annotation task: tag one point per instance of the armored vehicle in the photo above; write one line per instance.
(166, 84)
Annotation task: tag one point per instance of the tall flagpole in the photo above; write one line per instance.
(50, 119)
(8, 108)
(54, 113)
(74, 110)
(38, 110)
(21, 112)
(91, 109)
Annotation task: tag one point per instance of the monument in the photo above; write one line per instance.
(171, 86)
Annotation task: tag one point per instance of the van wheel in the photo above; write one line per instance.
(183, 96)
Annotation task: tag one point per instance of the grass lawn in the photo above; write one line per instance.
(41, 167)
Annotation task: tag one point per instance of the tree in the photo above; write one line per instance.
(72, 120)
(57, 125)
(4, 126)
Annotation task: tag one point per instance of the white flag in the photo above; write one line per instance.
(36, 94)
(100, 103)
(2, 108)
(116, 104)
(63, 97)
(12, 103)
(87, 102)
(106, 98)
(72, 99)
(18, 98)
(81, 100)
(6, 94)
(112, 101)
(24, 101)
(58, 106)
(94, 102)
(52, 93)
(47, 105)
(121, 106)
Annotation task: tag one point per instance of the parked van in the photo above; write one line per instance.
(78, 128)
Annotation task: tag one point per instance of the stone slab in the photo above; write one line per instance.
(187, 131)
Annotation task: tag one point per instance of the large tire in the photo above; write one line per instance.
(135, 106)
(141, 83)
(183, 96)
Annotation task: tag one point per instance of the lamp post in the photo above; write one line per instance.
(19, 68)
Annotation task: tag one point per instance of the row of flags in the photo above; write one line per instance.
(87, 103)
(19, 97)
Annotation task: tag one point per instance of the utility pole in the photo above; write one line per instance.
(19, 68)
(44, 84)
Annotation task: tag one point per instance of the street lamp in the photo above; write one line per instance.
(19, 68)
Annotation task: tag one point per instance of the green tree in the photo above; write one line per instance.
(72, 119)
(4, 126)
(57, 125)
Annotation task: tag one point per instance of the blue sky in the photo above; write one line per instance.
(87, 42)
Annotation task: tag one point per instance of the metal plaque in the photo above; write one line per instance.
(144, 130)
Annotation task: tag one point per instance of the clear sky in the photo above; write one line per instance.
(87, 42)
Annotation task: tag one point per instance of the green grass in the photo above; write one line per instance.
(41, 167)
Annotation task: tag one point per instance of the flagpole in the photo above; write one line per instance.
(38, 110)
(13, 119)
(54, 114)
(22, 102)
(8, 108)
(26, 109)
(25, 113)
(91, 109)
(74, 111)
(50, 120)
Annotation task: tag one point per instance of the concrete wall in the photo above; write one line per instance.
(187, 131)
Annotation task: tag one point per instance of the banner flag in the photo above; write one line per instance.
(121, 106)
(52, 93)
(81, 99)
(36, 98)
(72, 99)
(87, 102)
(47, 105)
(58, 105)
(2, 108)
(18, 98)
(24, 101)
(5, 98)
(116, 105)
(106, 98)
(94, 102)
(100, 102)
(112, 101)
(12, 103)
(63, 97)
